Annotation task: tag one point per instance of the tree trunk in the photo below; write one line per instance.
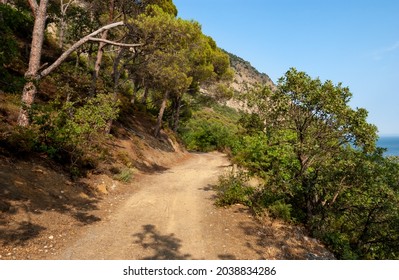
(133, 98)
(83, 41)
(32, 75)
(116, 75)
(176, 117)
(116, 71)
(28, 96)
(61, 33)
(97, 65)
(145, 96)
(100, 52)
(29, 91)
(77, 61)
(63, 10)
(160, 115)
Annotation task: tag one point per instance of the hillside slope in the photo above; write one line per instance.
(245, 78)
(245, 75)
(40, 201)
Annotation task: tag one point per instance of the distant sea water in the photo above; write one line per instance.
(391, 143)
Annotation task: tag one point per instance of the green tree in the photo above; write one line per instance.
(174, 57)
(363, 221)
(319, 159)
(35, 71)
(316, 125)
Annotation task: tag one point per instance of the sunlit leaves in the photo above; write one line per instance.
(319, 155)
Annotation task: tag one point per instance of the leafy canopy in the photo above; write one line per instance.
(320, 164)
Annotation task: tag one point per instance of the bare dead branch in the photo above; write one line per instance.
(79, 43)
(114, 43)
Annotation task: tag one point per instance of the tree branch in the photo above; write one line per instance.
(338, 192)
(114, 43)
(76, 46)
(64, 7)
(34, 6)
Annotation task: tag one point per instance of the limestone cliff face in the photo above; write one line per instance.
(246, 76)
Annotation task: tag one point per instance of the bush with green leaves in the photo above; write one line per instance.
(362, 223)
(232, 188)
(209, 130)
(75, 130)
(280, 209)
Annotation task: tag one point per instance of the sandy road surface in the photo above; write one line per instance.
(170, 217)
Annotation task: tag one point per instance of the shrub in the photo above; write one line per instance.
(340, 245)
(74, 130)
(232, 189)
(252, 153)
(208, 131)
(281, 210)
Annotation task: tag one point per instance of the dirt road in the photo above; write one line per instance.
(172, 216)
(168, 218)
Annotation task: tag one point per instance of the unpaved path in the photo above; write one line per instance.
(168, 218)
(172, 216)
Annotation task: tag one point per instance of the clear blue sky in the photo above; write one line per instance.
(348, 41)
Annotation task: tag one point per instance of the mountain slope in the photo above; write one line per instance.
(245, 75)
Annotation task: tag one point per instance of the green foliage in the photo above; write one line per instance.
(363, 221)
(252, 153)
(21, 141)
(74, 131)
(80, 23)
(205, 136)
(8, 45)
(166, 43)
(340, 245)
(268, 158)
(252, 123)
(20, 5)
(318, 160)
(232, 189)
(209, 130)
(176, 57)
(140, 7)
(13, 25)
(166, 5)
(279, 209)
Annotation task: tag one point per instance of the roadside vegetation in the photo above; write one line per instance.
(319, 165)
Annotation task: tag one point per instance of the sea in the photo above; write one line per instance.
(391, 143)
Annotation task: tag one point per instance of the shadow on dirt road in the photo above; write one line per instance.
(161, 247)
